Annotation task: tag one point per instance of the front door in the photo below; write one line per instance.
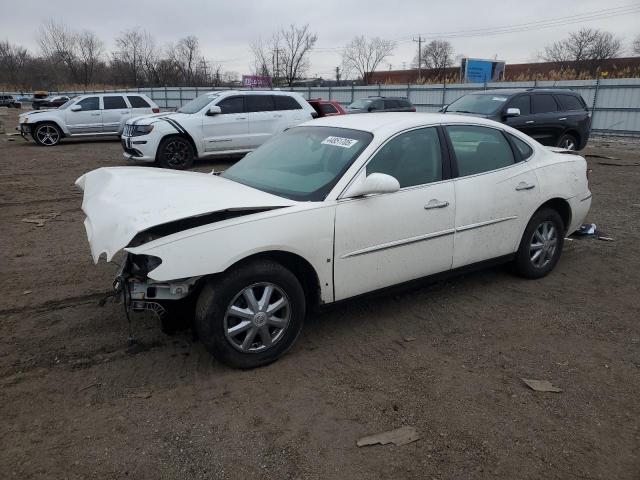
(228, 130)
(495, 192)
(86, 120)
(383, 240)
(263, 118)
(114, 111)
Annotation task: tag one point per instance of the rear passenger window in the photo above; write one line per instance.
(479, 149)
(259, 103)
(285, 102)
(525, 150)
(327, 108)
(413, 158)
(89, 103)
(138, 102)
(569, 102)
(113, 103)
(544, 104)
(523, 103)
(388, 104)
(232, 105)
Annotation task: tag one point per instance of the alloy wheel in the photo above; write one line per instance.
(48, 135)
(568, 144)
(257, 318)
(543, 244)
(176, 153)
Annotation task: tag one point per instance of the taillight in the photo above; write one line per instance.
(413, 109)
(155, 110)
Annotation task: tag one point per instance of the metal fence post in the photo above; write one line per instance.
(595, 99)
(166, 101)
(180, 91)
(308, 92)
(444, 91)
(329, 93)
(352, 92)
(379, 90)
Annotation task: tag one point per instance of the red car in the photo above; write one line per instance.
(326, 108)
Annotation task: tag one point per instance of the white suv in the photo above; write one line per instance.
(219, 122)
(102, 114)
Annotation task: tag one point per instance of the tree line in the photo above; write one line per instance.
(69, 58)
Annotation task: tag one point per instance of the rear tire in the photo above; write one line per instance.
(175, 153)
(541, 244)
(568, 142)
(47, 134)
(251, 315)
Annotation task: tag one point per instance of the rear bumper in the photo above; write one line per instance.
(580, 206)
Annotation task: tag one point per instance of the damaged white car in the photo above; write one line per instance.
(328, 210)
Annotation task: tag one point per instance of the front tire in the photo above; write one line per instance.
(175, 153)
(541, 244)
(251, 315)
(47, 134)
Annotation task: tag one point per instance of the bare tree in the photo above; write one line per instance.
(59, 45)
(90, 50)
(136, 53)
(437, 55)
(187, 55)
(13, 62)
(294, 54)
(263, 52)
(364, 56)
(586, 48)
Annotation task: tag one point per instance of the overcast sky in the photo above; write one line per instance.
(226, 28)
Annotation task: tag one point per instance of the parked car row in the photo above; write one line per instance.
(9, 101)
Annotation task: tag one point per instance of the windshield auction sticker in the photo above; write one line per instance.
(339, 142)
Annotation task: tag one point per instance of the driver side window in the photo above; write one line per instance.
(89, 103)
(413, 158)
(232, 105)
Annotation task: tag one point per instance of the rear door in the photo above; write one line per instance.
(263, 118)
(574, 115)
(547, 127)
(288, 113)
(114, 111)
(228, 130)
(496, 193)
(139, 106)
(87, 120)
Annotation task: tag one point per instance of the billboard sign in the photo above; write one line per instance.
(474, 70)
(256, 81)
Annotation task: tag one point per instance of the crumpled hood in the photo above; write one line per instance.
(149, 119)
(120, 202)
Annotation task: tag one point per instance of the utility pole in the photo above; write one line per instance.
(338, 75)
(419, 40)
(276, 74)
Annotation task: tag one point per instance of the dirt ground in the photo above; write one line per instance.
(76, 402)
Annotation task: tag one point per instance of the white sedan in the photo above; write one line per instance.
(328, 210)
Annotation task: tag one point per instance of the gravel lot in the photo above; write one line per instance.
(75, 402)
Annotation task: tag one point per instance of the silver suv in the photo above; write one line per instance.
(92, 115)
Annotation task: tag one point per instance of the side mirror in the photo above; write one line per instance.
(373, 184)
(443, 109)
(76, 108)
(512, 112)
(214, 110)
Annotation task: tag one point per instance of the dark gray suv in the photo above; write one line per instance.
(381, 104)
(553, 116)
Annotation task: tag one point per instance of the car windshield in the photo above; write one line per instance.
(478, 103)
(362, 103)
(198, 103)
(303, 163)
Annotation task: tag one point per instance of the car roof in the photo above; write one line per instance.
(515, 91)
(381, 123)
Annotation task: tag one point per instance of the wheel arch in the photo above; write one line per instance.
(298, 265)
(575, 133)
(185, 135)
(561, 206)
(36, 124)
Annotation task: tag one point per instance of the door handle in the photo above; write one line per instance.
(433, 203)
(241, 118)
(124, 111)
(95, 114)
(525, 186)
(530, 121)
(563, 118)
(277, 116)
